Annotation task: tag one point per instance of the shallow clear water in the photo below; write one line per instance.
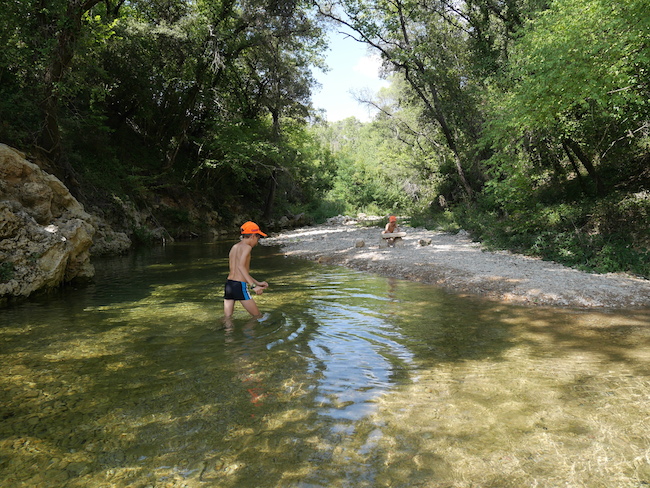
(352, 380)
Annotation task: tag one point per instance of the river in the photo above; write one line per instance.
(350, 380)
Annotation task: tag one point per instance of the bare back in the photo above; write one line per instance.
(239, 260)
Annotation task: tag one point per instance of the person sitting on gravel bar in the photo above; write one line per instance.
(391, 228)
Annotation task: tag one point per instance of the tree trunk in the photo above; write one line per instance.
(270, 197)
(60, 60)
(436, 107)
(573, 162)
(586, 162)
(442, 121)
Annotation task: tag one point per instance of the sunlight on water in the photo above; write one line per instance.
(350, 380)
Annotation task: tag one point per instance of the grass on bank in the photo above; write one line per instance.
(603, 236)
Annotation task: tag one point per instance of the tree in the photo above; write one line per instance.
(61, 25)
(579, 77)
(287, 41)
(417, 40)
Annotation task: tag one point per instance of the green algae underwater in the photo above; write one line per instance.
(351, 380)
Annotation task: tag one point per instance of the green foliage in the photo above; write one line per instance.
(363, 189)
(592, 253)
(578, 71)
(240, 150)
(608, 235)
(323, 209)
(150, 96)
(538, 105)
(377, 172)
(308, 170)
(581, 52)
(442, 220)
(143, 237)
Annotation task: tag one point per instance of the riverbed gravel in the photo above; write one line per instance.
(458, 264)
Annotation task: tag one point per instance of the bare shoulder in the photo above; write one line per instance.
(240, 249)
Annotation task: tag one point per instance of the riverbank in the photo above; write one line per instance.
(456, 263)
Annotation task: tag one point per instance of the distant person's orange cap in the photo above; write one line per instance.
(392, 218)
(251, 228)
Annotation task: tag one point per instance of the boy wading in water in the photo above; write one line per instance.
(239, 279)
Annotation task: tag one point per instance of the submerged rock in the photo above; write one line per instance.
(45, 234)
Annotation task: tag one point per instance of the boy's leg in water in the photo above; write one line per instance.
(228, 307)
(251, 307)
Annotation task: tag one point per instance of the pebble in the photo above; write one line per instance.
(78, 468)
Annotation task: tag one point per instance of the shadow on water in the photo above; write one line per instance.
(350, 380)
(510, 396)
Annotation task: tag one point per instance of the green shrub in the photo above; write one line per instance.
(325, 209)
(143, 237)
(603, 236)
(443, 220)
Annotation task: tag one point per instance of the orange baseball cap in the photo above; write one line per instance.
(392, 218)
(251, 228)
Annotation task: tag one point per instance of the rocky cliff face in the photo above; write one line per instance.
(45, 234)
(47, 238)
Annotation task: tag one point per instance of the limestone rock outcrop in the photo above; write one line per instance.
(45, 234)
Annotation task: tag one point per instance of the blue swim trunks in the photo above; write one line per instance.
(236, 290)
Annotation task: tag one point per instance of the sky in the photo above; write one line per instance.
(352, 68)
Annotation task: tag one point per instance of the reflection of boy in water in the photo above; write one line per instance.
(239, 278)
